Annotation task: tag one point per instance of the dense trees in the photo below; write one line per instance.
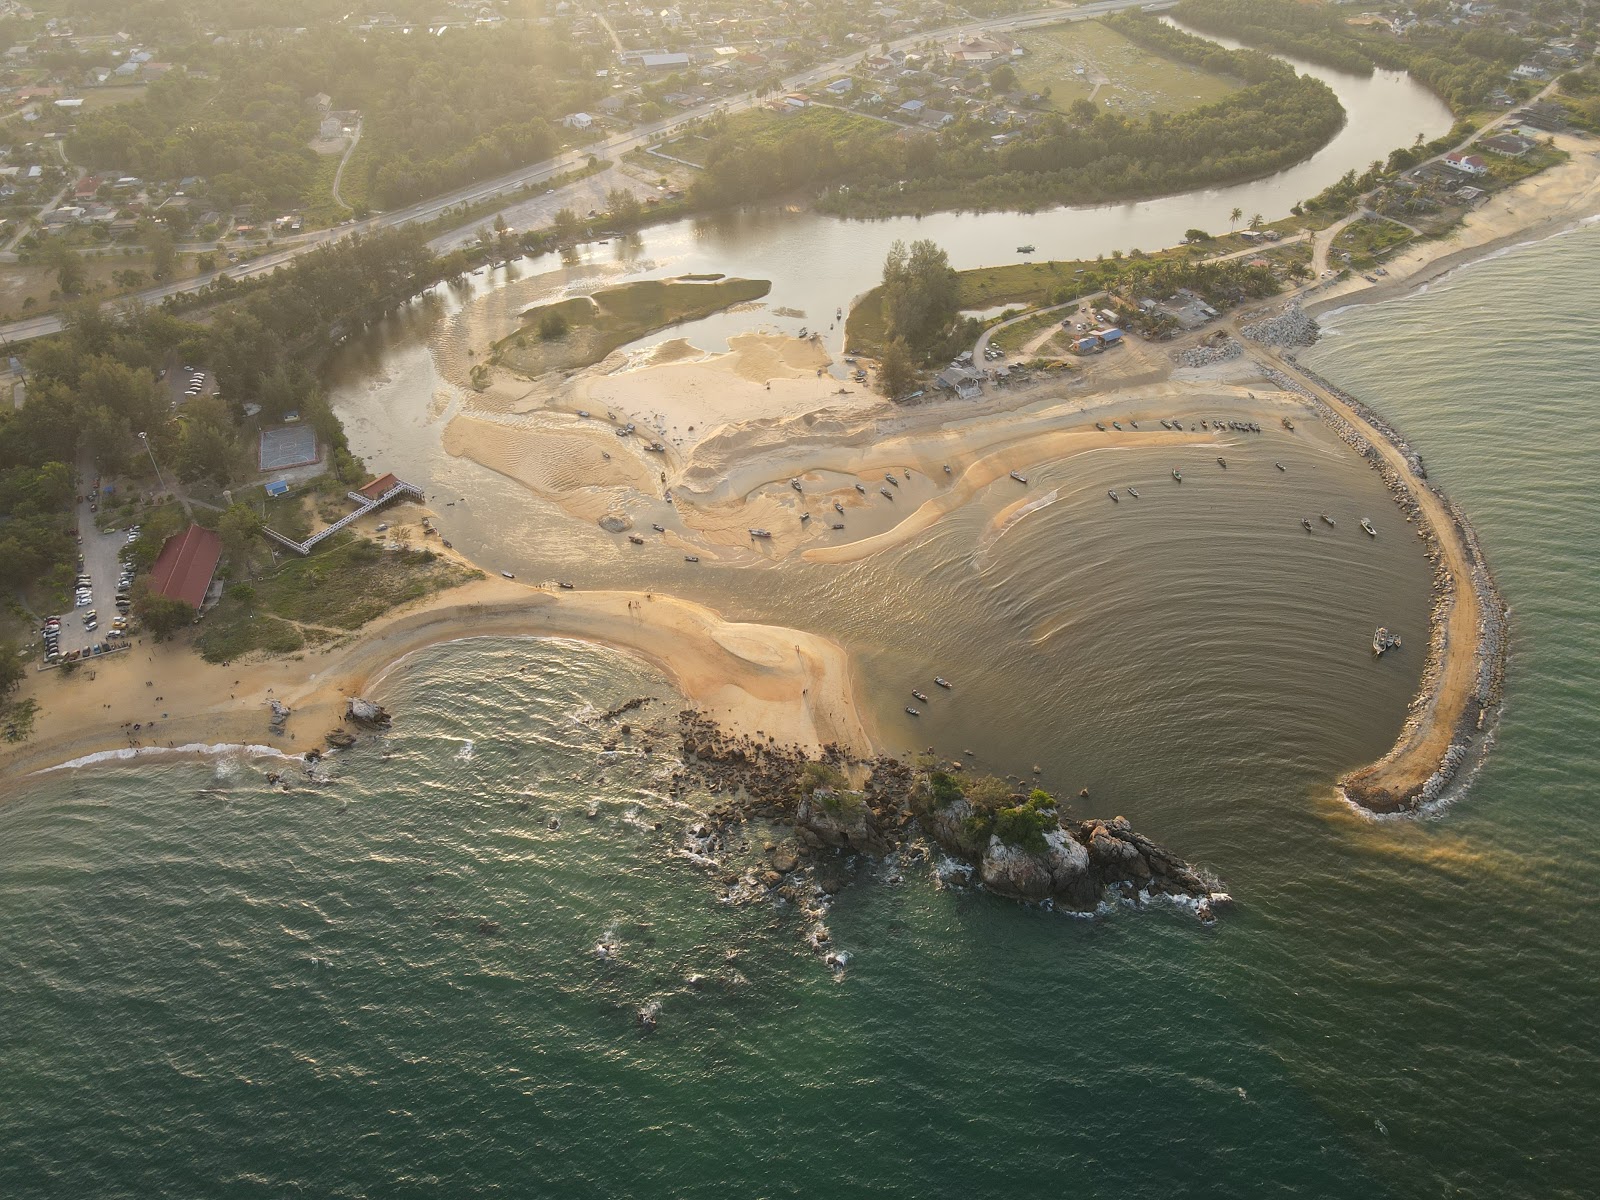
(439, 112)
(897, 373)
(919, 294)
(1307, 31)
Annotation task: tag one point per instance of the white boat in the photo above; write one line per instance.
(1367, 525)
(1019, 477)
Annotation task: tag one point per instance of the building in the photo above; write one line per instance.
(577, 120)
(1467, 164)
(664, 62)
(980, 49)
(184, 568)
(840, 87)
(913, 108)
(1507, 145)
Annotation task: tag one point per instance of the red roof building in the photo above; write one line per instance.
(379, 486)
(185, 565)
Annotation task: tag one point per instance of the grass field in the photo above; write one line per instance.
(109, 97)
(323, 597)
(597, 324)
(1085, 59)
(27, 289)
(1370, 241)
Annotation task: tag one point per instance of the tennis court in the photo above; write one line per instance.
(288, 446)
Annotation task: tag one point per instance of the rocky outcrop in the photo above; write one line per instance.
(1059, 872)
(840, 822)
(365, 712)
(339, 739)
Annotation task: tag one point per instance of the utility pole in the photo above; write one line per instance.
(145, 438)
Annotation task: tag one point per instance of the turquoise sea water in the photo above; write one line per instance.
(211, 988)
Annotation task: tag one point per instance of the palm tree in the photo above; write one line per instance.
(1235, 217)
(1257, 221)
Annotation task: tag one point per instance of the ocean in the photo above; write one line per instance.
(385, 983)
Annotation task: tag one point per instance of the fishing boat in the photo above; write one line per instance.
(838, 508)
(1384, 640)
(691, 558)
(1222, 462)
(1288, 424)
(804, 517)
(1329, 521)
(1280, 466)
(947, 468)
(838, 525)
(890, 477)
(583, 412)
(1165, 424)
(1306, 521)
(636, 539)
(507, 575)
(1116, 425)
(795, 484)
(1134, 492)
(862, 488)
(1112, 492)
(1028, 249)
(1177, 474)
(1132, 423)
(1367, 525)
(760, 533)
(1019, 477)
(915, 712)
(657, 528)
(804, 332)
(943, 682)
(886, 492)
(923, 696)
(565, 585)
(1099, 426)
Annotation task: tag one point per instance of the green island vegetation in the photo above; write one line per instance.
(581, 330)
(917, 310)
(1464, 66)
(437, 113)
(998, 810)
(1095, 60)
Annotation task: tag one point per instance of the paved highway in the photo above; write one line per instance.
(611, 147)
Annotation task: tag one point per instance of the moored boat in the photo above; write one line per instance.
(1134, 492)
(943, 682)
(1222, 462)
(1112, 492)
(923, 696)
(760, 533)
(691, 558)
(913, 711)
(1019, 477)
(1177, 474)
(1306, 521)
(1367, 525)
(1330, 521)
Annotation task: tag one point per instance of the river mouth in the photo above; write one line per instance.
(1110, 643)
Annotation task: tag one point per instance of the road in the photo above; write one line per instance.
(338, 174)
(613, 146)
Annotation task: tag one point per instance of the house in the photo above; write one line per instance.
(913, 108)
(980, 49)
(377, 487)
(664, 62)
(938, 120)
(578, 120)
(72, 105)
(840, 87)
(185, 566)
(612, 105)
(330, 128)
(1507, 145)
(1530, 71)
(1470, 194)
(963, 381)
(1468, 164)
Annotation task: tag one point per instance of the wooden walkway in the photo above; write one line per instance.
(366, 505)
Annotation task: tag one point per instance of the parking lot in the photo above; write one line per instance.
(102, 562)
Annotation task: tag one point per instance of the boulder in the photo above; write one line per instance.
(365, 712)
(843, 822)
(339, 739)
(1061, 871)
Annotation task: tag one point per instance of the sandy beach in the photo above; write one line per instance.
(1536, 208)
(759, 680)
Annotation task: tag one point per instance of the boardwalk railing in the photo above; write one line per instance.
(401, 488)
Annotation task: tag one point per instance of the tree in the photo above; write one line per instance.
(1193, 236)
(1257, 221)
(67, 265)
(163, 617)
(1003, 79)
(565, 224)
(623, 204)
(552, 325)
(239, 528)
(163, 248)
(919, 294)
(1235, 217)
(897, 374)
(11, 669)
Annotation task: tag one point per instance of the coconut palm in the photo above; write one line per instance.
(1235, 217)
